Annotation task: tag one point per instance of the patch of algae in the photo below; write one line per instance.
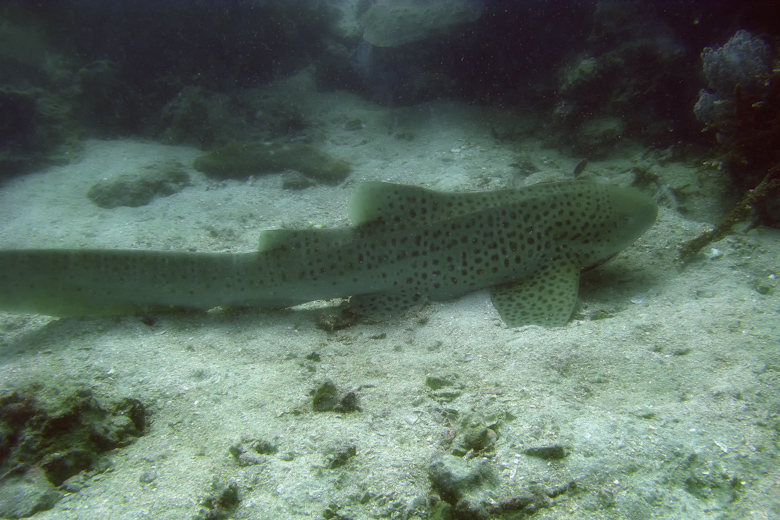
(241, 160)
(142, 187)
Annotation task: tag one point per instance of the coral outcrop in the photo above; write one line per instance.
(738, 68)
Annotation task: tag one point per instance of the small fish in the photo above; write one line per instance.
(407, 245)
(580, 167)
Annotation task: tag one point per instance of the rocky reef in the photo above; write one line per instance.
(390, 23)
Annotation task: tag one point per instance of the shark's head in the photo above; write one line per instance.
(627, 215)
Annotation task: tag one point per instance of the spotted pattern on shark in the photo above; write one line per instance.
(407, 245)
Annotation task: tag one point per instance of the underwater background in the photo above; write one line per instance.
(193, 125)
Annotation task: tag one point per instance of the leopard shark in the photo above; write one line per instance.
(407, 245)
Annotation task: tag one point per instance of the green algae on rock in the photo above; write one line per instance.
(240, 160)
(142, 187)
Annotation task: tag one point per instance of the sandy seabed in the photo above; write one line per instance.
(663, 390)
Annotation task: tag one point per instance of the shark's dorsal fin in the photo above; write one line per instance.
(399, 205)
(396, 204)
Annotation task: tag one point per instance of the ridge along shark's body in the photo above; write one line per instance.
(408, 244)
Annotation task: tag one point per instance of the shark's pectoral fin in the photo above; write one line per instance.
(547, 298)
(383, 306)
